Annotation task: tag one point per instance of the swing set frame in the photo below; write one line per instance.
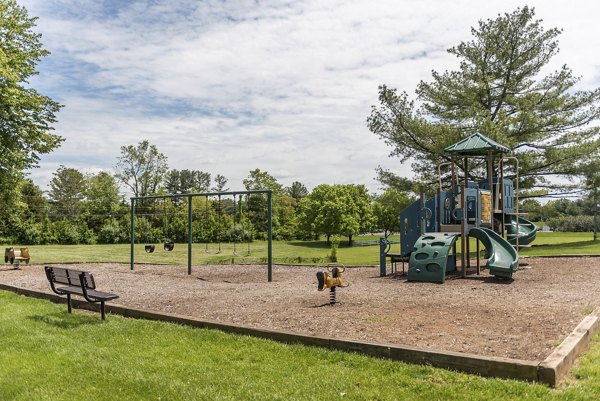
(268, 192)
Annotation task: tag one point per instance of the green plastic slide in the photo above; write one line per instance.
(502, 258)
(527, 230)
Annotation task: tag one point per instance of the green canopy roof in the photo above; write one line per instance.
(477, 145)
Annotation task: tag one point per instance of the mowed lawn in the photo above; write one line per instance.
(48, 354)
(288, 252)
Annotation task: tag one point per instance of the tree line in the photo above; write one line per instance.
(90, 208)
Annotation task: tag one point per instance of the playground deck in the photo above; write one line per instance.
(523, 319)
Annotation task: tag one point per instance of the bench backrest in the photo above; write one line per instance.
(61, 275)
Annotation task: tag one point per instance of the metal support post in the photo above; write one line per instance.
(189, 235)
(132, 233)
(270, 236)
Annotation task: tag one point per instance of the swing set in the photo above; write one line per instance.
(238, 222)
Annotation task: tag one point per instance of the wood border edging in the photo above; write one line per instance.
(556, 366)
(550, 371)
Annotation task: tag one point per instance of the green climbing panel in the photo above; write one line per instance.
(429, 259)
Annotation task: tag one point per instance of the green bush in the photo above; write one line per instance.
(113, 232)
(335, 243)
(572, 223)
(71, 232)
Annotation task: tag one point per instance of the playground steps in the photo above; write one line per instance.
(450, 228)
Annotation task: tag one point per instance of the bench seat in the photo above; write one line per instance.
(106, 296)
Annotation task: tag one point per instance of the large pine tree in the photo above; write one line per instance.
(500, 90)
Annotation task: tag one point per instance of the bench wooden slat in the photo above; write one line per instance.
(106, 296)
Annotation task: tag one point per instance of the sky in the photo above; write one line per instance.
(284, 86)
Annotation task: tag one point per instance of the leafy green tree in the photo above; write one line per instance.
(102, 199)
(33, 201)
(67, 192)
(141, 168)
(258, 180)
(500, 91)
(533, 208)
(30, 224)
(284, 220)
(26, 116)
(387, 208)
(336, 210)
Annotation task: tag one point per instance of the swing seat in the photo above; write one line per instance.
(149, 248)
(169, 246)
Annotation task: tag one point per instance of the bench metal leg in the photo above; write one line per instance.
(69, 307)
(102, 310)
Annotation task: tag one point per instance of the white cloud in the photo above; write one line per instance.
(226, 87)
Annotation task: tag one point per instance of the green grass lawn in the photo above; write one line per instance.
(304, 252)
(48, 354)
(283, 252)
(556, 243)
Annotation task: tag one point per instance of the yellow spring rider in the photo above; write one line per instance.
(331, 281)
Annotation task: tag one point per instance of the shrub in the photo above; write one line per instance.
(335, 243)
(113, 232)
(572, 223)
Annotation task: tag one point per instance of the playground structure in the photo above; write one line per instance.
(169, 245)
(487, 210)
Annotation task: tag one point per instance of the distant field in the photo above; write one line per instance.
(301, 252)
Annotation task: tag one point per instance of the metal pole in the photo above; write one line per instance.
(465, 221)
(132, 233)
(491, 186)
(595, 213)
(422, 204)
(270, 236)
(189, 235)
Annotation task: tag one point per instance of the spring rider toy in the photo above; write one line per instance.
(331, 281)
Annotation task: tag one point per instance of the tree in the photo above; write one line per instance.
(33, 201)
(67, 192)
(499, 91)
(336, 210)
(297, 190)
(187, 181)
(387, 208)
(220, 184)
(141, 168)
(259, 180)
(102, 199)
(284, 222)
(26, 116)
(592, 180)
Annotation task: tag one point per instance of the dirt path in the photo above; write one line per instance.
(525, 318)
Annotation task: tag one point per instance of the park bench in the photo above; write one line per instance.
(77, 282)
(13, 255)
